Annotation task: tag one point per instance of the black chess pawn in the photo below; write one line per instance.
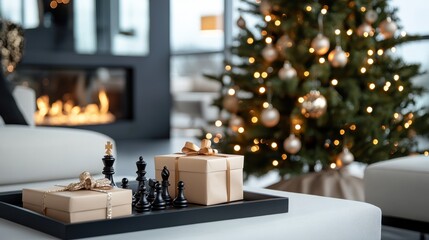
(180, 201)
(142, 205)
(165, 174)
(124, 182)
(158, 203)
(141, 172)
(152, 191)
(108, 161)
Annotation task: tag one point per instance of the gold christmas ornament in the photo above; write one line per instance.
(292, 144)
(388, 28)
(287, 71)
(314, 104)
(269, 53)
(345, 157)
(235, 122)
(283, 43)
(320, 44)
(270, 116)
(241, 23)
(371, 16)
(230, 103)
(337, 57)
(364, 30)
(265, 7)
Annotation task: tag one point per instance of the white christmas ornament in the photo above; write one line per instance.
(346, 157)
(230, 103)
(320, 44)
(388, 28)
(270, 117)
(287, 71)
(235, 122)
(337, 57)
(364, 29)
(371, 16)
(292, 144)
(269, 53)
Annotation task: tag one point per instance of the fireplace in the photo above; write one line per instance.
(69, 96)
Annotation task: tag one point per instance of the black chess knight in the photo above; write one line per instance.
(152, 191)
(108, 161)
(165, 174)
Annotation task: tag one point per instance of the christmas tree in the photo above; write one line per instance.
(316, 85)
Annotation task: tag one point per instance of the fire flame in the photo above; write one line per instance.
(66, 113)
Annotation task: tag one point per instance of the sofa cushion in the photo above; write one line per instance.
(400, 187)
(31, 154)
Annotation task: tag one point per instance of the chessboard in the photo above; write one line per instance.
(253, 204)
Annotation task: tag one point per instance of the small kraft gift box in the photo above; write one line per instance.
(210, 178)
(84, 201)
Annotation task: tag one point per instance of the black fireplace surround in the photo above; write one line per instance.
(149, 76)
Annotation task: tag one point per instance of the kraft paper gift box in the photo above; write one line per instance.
(78, 206)
(209, 179)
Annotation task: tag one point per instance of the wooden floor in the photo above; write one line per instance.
(128, 152)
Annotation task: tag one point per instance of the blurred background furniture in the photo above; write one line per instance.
(400, 187)
(33, 155)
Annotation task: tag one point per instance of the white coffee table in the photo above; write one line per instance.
(309, 217)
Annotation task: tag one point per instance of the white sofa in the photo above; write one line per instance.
(36, 156)
(400, 187)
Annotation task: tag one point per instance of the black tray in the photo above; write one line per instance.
(253, 204)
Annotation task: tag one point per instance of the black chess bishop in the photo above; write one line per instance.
(165, 174)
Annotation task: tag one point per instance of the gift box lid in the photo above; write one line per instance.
(76, 201)
(200, 163)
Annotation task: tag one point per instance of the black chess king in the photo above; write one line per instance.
(108, 161)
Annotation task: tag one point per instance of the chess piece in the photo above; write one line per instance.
(124, 182)
(165, 174)
(158, 203)
(142, 205)
(152, 190)
(108, 161)
(141, 172)
(180, 201)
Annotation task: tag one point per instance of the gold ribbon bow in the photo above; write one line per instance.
(86, 182)
(205, 149)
